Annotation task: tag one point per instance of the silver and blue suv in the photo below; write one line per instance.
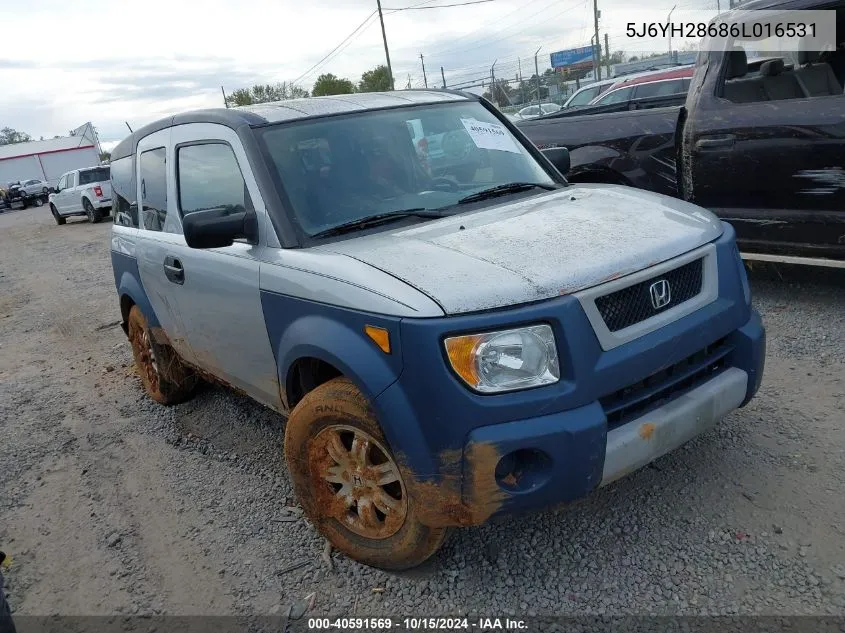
(452, 334)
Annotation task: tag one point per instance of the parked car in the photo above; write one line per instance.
(659, 84)
(583, 96)
(533, 111)
(82, 192)
(446, 347)
(760, 144)
(35, 187)
(26, 193)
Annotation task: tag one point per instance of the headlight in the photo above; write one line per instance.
(743, 276)
(506, 360)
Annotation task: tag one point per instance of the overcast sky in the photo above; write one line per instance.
(108, 62)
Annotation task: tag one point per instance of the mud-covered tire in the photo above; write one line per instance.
(338, 408)
(94, 215)
(59, 219)
(165, 378)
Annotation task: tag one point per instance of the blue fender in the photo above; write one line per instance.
(299, 328)
(128, 282)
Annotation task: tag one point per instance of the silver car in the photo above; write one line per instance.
(452, 330)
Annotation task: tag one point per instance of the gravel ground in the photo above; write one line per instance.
(112, 504)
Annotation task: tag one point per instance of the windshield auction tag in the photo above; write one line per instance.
(490, 136)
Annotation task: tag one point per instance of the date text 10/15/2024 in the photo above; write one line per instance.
(418, 624)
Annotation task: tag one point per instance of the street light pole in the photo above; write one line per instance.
(537, 74)
(386, 51)
(669, 23)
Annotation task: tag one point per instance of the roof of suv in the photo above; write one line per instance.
(278, 111)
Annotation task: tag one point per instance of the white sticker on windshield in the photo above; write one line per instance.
(490, 136)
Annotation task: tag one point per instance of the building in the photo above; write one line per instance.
(48, 160)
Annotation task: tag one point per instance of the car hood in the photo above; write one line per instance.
(536, 248)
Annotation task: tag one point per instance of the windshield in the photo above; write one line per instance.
(100, 174)
(337, 170)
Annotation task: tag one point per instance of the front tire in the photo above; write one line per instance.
(350, 484)
(94, 215)
(59, 219)
(166, 379)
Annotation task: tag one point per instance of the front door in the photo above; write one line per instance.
(218, 297)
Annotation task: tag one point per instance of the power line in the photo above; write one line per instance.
(439, 6)
(346, 39)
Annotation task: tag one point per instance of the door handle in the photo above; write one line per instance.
(173, 270)
(715, 142)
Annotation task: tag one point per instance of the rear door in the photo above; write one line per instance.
(774, 169)
(158, 233)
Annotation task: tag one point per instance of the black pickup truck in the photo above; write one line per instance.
(761, 143)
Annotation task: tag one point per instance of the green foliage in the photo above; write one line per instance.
(265, 93)
(375, 80)
(329, 84)
(8, 136)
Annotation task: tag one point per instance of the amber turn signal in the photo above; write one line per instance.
(380, 336)
(461, 351)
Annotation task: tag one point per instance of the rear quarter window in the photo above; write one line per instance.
(124, 200)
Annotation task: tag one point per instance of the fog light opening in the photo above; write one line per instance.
(523, 470)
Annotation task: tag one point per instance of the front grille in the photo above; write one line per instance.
(635, 400)
(633, 304)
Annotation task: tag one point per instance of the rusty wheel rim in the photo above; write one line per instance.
(358, 482)
(146, 356)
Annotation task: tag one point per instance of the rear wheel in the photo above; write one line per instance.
(166, 379)
(59, 219)
(94, 215)
(350, 484)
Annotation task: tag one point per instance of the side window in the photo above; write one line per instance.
(153, 189)
(69, 180)
(209, 178)
(660, 88)
(124, 202)
(617, 96)
(62, 182)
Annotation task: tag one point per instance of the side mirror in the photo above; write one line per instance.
(559, 157)
(216, 228)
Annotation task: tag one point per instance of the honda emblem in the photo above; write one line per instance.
(660, 294)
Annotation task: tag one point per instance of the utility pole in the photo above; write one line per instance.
(493, 83)
(425, 79)
(537, 74)
(607, 53)
(669, 22)
(409, 81)
(718, 6)
(598, 41)
(225, 103)
(386, 51)
(521, 85)
(443, 77)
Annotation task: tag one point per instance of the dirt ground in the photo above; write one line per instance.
(110, 503)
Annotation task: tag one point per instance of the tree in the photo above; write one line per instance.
(375, 80)
(500, 94)
(105, 157)
(8, 136)
(265, 93)
(328, 84)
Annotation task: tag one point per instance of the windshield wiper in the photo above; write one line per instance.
(500, 190)
(375, 220)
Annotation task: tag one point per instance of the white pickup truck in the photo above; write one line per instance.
(82, 192)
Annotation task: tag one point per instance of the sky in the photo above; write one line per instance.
(113, 62)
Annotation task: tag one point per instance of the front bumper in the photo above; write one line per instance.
(552, 459)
